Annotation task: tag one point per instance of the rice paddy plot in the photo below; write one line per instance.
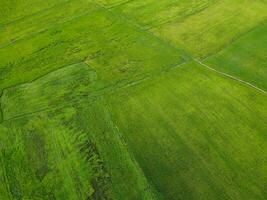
(196, 134)
(15, 10)
(71, 153)
(98, 100)
(152, 13)
(57, 89)
(207, 32)
(126, 176)
(60, 13)
(64, 164)
(246, 58)
(116, 50)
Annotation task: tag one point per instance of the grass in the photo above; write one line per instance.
(58, 14)
(126, 176)
(99, 100)
(214, 27)
(63, 108)
(15, 10)
(150, 13)
(116, 50)
(73, 153)
(185, 133)
(246, 58)
(60, 166)
(112, 3)
(69, 83)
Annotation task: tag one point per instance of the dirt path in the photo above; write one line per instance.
(232, 77)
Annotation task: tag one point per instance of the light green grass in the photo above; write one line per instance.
(117, 51)
(112, 3)
(15, 10)
(59, 88)
(44, 20)
(153, 13)
(246, 58)
(207, 32)
(196, 135)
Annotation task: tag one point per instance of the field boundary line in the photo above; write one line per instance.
(183, 53)
(151, 187)
(232, 77)
(235, 39)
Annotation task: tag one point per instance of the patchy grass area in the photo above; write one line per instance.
(72, 153)
(208, 31)
(98, 100)
(42, 157)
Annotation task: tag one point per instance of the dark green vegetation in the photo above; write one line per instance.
(178, 131)
(105, 99)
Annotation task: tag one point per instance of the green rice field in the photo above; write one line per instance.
(133, 100)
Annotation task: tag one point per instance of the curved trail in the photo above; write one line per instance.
(232, 77)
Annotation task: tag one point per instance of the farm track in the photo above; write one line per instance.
(161, 133)
(110, 88)
(114, 89)
(232, 77)
(147, 30)
(198, 61)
